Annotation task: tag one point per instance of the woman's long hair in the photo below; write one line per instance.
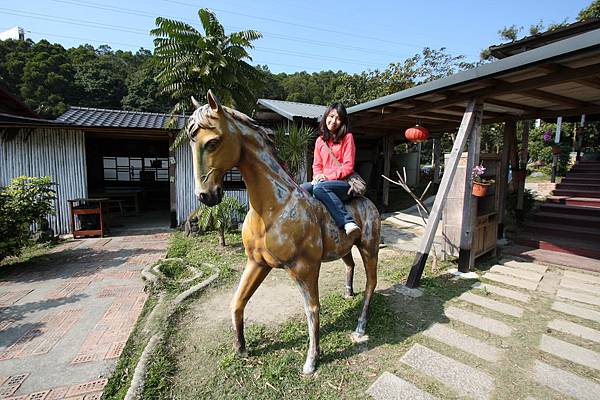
(344, 125)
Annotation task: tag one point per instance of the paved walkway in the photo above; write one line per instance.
(65, 317)
(525, 331)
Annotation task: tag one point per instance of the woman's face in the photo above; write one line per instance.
(333, 121)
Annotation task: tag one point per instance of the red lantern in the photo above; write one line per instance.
(417, 134)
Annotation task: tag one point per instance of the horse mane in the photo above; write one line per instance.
(201, 119)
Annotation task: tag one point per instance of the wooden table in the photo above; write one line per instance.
(94, 206)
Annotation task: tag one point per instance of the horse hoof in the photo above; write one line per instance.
(308, 369)
(242, 352)
(349, 295)
(359, 338)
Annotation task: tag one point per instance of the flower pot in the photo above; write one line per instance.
(480, 189)
(519, 175)
(556, 149)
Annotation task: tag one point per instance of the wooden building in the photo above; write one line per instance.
(561, 78)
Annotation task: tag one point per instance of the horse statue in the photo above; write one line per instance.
(285, 226)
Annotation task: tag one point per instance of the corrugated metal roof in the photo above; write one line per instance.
(99, 117)
(530, 58)
(291, 109)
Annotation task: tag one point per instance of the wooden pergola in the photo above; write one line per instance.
(560, 79)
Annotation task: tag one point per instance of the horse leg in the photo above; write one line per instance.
(349, 261)
(253, 275)
(370, 261)
(307, 278)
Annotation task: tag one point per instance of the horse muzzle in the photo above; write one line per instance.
(211, 198)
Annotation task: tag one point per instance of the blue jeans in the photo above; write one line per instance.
(332, 194)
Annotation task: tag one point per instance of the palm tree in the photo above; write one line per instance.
(219, 217)
(191, 62)
(292, 143)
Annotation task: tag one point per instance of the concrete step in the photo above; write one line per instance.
(566, 219)
(570, 210)
(586, 186)
(577, 193)
(585, 171)
(576, 178)
(574, 201)
(579, 232)
(560, 243)
(560, 257)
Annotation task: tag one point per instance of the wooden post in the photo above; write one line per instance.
(437, 156)
(418, 172)
(555, 156)
(172, 185)
(579, 133)
(440, 199)
(387, 161)
(510, 128)
(466, 257)
(522, 161)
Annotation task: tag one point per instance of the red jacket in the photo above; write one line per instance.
(324, 163)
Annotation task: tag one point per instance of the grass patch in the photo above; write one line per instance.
(27, 254)
(276, 355)
(205, 249)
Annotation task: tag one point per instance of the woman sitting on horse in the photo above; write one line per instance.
(328, 186)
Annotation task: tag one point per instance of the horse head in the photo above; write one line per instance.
(216, 148)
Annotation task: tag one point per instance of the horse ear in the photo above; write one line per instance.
(196, 103)
(213, 102)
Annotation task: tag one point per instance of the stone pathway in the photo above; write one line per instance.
(550, 315)
(65, 318)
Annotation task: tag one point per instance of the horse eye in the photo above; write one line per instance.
(211, 145)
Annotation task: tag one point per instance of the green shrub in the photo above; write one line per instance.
(219, 217)
(24, 201)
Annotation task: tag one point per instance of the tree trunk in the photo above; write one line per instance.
(222, 236)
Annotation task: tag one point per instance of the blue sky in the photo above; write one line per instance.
(351, 36)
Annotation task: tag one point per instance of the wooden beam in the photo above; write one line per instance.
(502, 87)
(508, 104)
(388, 149)
(568, 101)
(522, 162)
(509, 128)
(466, 257)
(591, 82)
(440, 199)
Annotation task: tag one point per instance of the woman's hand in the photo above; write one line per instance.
(318, 178)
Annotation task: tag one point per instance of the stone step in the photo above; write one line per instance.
(454, 338)
(577, 311)
(492, 304)
(569, 210)
(578, 285)
(511, 294)
(577, 193)
(565, 382)
(390, 387)
(509, 280)
(566, 219)
(588, 278)
(518, 273)
(587, 233)
(578, 247)
(528, 265)
(578, 296)
(580, 179)
(575, 329)
(574, 201)
(463, 378)
(571, 352)
(479, 321)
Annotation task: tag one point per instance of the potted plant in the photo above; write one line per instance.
(480, 184)
(548, 141)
